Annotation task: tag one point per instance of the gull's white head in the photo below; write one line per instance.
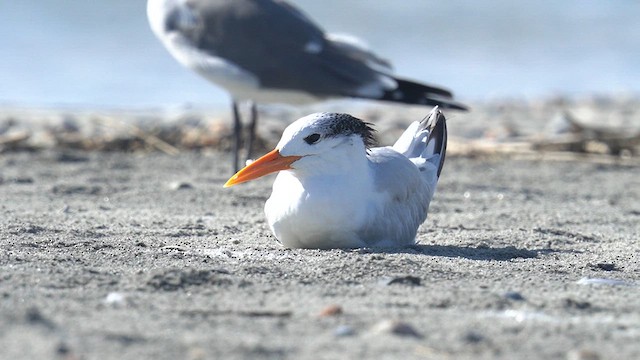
(168, 15)
(312, 143)
(157, 11)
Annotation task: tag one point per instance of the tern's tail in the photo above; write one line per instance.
(425, 144)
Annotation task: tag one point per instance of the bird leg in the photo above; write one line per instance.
(237, 133)
(252, 129)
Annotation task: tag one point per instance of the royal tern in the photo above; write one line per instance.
(334, 190)
(268, 51)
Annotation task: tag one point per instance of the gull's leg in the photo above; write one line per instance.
(252, 129)
(237, 132)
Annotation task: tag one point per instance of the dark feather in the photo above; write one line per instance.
(345, 124)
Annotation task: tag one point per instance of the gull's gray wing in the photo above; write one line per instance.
(277, 44)
(248, 45)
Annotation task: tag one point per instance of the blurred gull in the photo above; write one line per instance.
(268, 51)
(336, 191)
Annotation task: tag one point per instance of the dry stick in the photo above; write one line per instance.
(149, 139)
(14, 139)
(524, 150)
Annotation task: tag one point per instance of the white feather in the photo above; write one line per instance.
(339, 196)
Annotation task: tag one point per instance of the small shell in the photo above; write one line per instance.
(331, 310)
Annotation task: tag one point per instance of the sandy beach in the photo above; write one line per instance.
(530, 250)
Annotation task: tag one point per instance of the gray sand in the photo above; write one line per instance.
(130, 256)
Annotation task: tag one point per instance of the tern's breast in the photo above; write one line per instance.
(317, 215)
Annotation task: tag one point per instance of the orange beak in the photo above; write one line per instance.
(267, 164)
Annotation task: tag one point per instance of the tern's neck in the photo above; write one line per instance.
(344, 161)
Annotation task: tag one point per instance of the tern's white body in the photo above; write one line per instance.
(334, 192)
(377, 200)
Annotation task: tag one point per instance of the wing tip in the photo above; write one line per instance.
(409, 92)
(436, 123)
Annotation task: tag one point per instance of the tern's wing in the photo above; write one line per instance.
(425, 144)
(401, 199)
(405, 178)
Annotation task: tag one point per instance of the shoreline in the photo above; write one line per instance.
(597, 125)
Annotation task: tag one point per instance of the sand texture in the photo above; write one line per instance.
(143, 255)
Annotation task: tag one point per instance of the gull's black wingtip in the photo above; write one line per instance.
(410, 92)
(451, 105)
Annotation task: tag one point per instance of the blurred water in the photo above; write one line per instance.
(101, 53)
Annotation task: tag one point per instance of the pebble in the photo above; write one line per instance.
(575, 304)
(115, 299)
(331, 310)
(473, 337)
(63, 349)
(513, 295)
(605, 266)
(180, 185)
(344, 330)
(34, 316)
(396, 327)
(22, 180)
(600, 281)
(71, 189)
(403, 280)
(71, 158)
(582, 354)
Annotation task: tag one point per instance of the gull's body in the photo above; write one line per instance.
(338, 193)
(268, 51)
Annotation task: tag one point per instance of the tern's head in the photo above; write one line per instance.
(309, 142)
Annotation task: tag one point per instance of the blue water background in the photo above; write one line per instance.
(99, 53)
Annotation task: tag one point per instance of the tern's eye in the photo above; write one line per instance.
(312, 139)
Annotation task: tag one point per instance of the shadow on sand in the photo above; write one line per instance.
(481, 252)
(473, 253)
